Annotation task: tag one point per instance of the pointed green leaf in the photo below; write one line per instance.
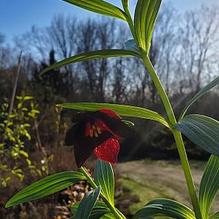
(201, 130)
(145, 16)
(203, 91)
(165, 207)
(46, 186)
(98, 210)
(215, 216)
(123, 110)
(100, 7)
(92, 55)
(104, 177)
(209, 185)
(86, 205)
(108, 216)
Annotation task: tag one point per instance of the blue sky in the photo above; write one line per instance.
(17, 16)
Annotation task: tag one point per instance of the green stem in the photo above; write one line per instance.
(114, 211)
(129, 18)
(177, 135)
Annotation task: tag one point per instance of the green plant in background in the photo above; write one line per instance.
(200, 129)
(15, 136)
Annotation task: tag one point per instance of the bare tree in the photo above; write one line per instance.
(119, 85)
(198, 37)
(97, 35)
(163, 47)
(63, 33)
(34, 42)
(8, 55)
(164, 44)
(181, 49)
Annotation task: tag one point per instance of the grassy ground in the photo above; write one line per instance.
(156, 179)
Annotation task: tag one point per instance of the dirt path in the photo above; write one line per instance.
(156, 179)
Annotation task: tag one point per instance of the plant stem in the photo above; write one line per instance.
(177, 135)
(129, 18)
(15, 84)
(114, 211)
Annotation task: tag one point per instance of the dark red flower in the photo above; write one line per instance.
(96, 132)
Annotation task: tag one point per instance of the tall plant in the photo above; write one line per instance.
(200, 129)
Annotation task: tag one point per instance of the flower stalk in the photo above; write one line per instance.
(177, 135)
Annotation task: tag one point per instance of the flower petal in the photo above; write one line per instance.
(72, 133)
(108, 150)
(103, 127)
(97, 132)
(116, 125)
(84, 146)
(110, 113)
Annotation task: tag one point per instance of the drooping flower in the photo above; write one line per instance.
(96, 132)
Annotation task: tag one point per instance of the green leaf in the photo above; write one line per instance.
(215, 216)
(209, 185)
(100, 7)
(46, 186)
(104, 177)
(91, 55)
(98, 210)
(123, 110)
(201, 130)
(144, 20)
(203, 91)
(86, 205)
(165, 207)
(23, 153)
(108, 216)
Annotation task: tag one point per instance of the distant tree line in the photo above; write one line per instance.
(184, 52)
